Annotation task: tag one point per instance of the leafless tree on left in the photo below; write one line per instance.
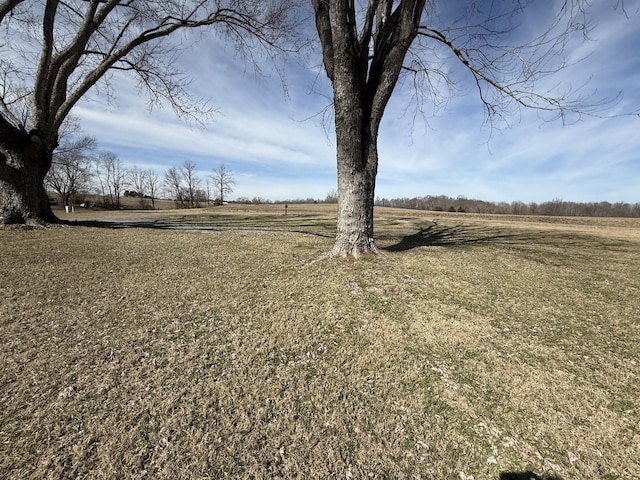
(52, 53)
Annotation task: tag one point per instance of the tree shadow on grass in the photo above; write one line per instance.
(433, 235)
(182, 224)
(457, 236)
(528, 475)
(467, 235)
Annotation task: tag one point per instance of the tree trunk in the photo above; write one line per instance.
(24, 162)
(363, 65)
(357, 157)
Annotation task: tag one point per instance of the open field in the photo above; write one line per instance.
(212, 343)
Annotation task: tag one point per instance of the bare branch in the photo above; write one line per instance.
(7, 7)
(81, 42)
(508, 74)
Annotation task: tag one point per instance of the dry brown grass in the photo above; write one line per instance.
(474, 347)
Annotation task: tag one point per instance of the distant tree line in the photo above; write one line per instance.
(556, 207)
(188, 190)
(444, 203)
(332, 197)
(266, 201)
(79, 170)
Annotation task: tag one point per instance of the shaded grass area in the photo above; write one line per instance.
(467, 349)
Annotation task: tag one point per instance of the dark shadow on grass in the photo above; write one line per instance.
(468, 235)
(432, 236)
(456, 236)
(528, 475)
(180, 224)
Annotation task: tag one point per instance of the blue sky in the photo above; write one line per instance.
(281, 146)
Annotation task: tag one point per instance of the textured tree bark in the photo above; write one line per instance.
(356, 186)
(357, 158)
(23, 165)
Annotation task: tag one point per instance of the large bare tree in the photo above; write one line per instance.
(174, 186)
(138, 181)
(191, 182)
(53, 52)
(152, 185)
(223, 182)
(70, 171)
(111, 176)
(367, 46)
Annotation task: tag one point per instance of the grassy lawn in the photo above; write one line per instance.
(475, 347)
